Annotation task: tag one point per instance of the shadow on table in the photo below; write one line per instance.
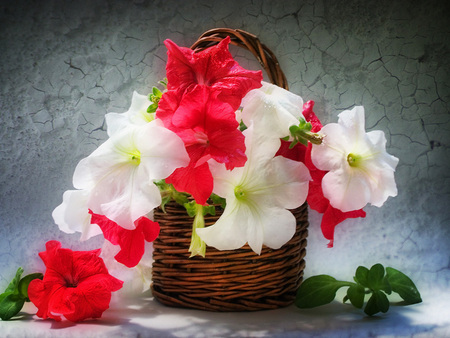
(150, 318)
(146, 317)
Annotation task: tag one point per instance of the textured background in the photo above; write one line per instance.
(64, 64)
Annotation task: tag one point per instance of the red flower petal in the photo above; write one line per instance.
(214, 67)
(332, 217)
(76, 284)
(131, 242)
(310, 116)
(40, 296)
(198, 181)
(297, 153)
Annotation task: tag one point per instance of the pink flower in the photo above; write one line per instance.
(131, 242)
(214, 67)
(76, 284)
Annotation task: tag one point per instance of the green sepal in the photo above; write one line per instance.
(216, 199)
(156, 92)
(403, 285)
(152, 108)
(242, 126)
(318, 290)
(191, 208)
(209, 210)
(164, 201)
(168, 193)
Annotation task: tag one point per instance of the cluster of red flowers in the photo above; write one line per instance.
(204, 91)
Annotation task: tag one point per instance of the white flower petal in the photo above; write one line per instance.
(346, 191)
(136, 115)
(257, 197)
(120, 173)
(290, 188)
(279, 227)
(360, 169)
(72, 215)
(272, 109)
(229, 232)
(334, 148)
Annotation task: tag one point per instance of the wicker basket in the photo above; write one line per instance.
(237, 280)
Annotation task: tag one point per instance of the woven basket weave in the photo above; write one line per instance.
(235, 280)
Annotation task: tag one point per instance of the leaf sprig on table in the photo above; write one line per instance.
(16, 294)
(377, 282)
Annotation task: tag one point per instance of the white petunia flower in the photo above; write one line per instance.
(136, 115)
(360, 169)
(257, 197)
(120, 173)
(72, 215)
(272, 109)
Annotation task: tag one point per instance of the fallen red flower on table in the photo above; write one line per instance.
(76, 284)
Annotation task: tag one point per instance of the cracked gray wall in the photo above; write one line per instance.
(64, 64)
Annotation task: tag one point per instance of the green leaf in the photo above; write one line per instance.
(10, 305)
(361, 276)
(355, 294)
(25, 282)
(378, 302)
(382, 301)
(403, 285)
(375, 277)
(386, 286)
(371, 306)
(318, 290)
(13, 286)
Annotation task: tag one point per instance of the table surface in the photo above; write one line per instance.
(146, 317)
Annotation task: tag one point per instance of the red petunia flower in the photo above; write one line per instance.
(213, 67)
(209, 130)
(76, 284)
(131, 242)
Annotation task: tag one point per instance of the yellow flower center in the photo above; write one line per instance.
(135, 157)
(240, 193)
(354, 160)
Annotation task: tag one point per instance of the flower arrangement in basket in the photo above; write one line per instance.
(216, 168)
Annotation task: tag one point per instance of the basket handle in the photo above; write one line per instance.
(247, 41)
